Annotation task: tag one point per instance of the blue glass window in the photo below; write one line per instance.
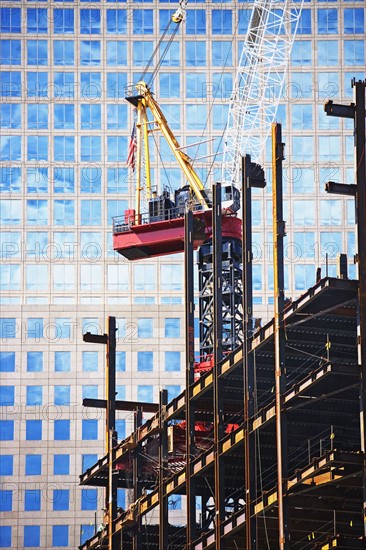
(173, 391)
(121, 429)
(89, 499)
(34, 395)
(303, 212)
(330, 244)
(32, 536)
(64, 85)
(304, 26)
(90, 391)
(301, 53)
(33, 465)
(63, 328)
(169, 85)
(222, 21)
(5, 536)
(145, 361)
(37, 148)
(10, 52)
(116, 85)
(172, 327)
(304, 276)
(9, 244)
(32, 500)
(120, 392)
(10, 180)
(89, 430)
(90, 212)
(91, 180)
(8, 328)
(61, 430)
(87, 530)
(34, 361)
(64, 180)
(145, 394)
(172, 56)
(10, 148)
(91, 116)
(37, 212)
(330, 212)
(244, 20)
(37, 116)
(116, 22)
(117, 117)
(196, 117)
(10, 115)
(90, 148)
(63, 52)
(60, 535)
(7, 361)
(63, 21)
(328, 21)
(63, 212)
(10, 84)
(172, 361)
(302, 117)
(120, 361)
(6, 430)
(91, 85)
(328, 52)
(89, 52)
(117, 180)
(195, 54)
(354, 52)
(145, 328)
(88, 460)
(9, 277)
(37, 84)
(89, 21)
(329, 148)
(143, 21)
(303, 148)
(196, 84)
(61, 500)
(10, 20)
(64, 118)
(142, 51)
(33, 430)
(7, 395)
(62, 395)
(35, 327)
(90, 361)
(6, 465)
(354, 20)
(62, 361)
(196, 22)
(220, 116)
(64, 146)
(37, 52)
(37, 21)
(116, 149)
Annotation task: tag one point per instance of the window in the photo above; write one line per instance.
(120, 361)
(37, 179)
(301, 53)
(221, 21)
(90, 361)
(142, 52)
(171, 277)
(90, 85)
(302, 148)
(117, 117)
(6, 500)
(63, 212)
(196, 117)
(172, 327)
(302, 117)
(10, 116)
(87, 530)
(90, 148)
(116, 53)
(63, 21)
(10, 20)
(5, 536)
(173, 391)
(11, 84)
(118, 277)
(9, 244)
(89, 21)
(61, 500)
(329, 148)
(172, 58)
(121, 429)
(144, 277)
(63, 85)
(328, 21)
(33, 430)
(145, 361)
(7, 395)
(220, 116)
(64, 147)
(64, 180)
(330, 212)
(64, 242)
(115, 208)
(32, 536)
(62, 395)
(304, 26)
(35, 327)
(195, 54)
(33, 465)
(37, 52)
(9, 277)
(328, 52)
(34, 361)
(145, 394)
(120, 392)
(37, 20)
(354, 20)
(90, 392)
(6, 430)
(143, 21)
(63, 52)
(6, 465)
(90, 212)
(37, 212)
(172, 361)
(303, 212)
(89, 52)
(8, 328)
(330, 244)
(304, 276)
(144, 328)
(89, 430)
(116, 148)
(10, 148)
(32, 500)
(37, 148)
(354, 52)
(116, 85)
(7, 361)
(303, 180)
(88, 460)
(89, 499)
(61, 430)
(63, 328)
(196, 22)
(328, 86)
(9, 212)
(34, 395)
(91, 116)
(10, 52)
(60, 535)
(116, 22)
(169, 85)
(37, 84)
(62, 361)
(196, 85)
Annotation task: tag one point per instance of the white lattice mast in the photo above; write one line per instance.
(259, 81)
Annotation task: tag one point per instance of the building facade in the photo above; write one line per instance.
(65, 129)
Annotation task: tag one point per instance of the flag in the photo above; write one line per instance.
(132, 147)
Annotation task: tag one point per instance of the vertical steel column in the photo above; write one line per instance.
(248, 363)
(111, 493)
(360, 136)
(190, 416)
(217, 393)
(163, 459)
(279, 336)
(136, 476)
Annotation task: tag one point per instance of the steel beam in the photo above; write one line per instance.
(163, 463)
(136, 476)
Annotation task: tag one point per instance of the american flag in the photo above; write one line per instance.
(132, 147)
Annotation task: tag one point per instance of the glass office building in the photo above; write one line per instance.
(65, 129)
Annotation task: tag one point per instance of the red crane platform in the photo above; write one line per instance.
(149, 239)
